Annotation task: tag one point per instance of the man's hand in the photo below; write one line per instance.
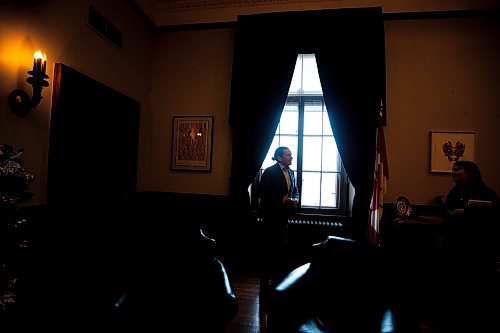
(289, 201)
(286, 199)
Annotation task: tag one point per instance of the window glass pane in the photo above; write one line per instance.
(310, 80)
(312, 123)
(331, 158)
(296, 84)
(327, 128)
(313, 106)
(311, 160)
(291, 106)
(268, 160)
(329, 190)
(292, 143)
(289, 122)
(310, 189)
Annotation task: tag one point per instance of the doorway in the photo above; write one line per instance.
(93, 141)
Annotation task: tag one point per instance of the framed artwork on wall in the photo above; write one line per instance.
(192, 143)
(449, 147)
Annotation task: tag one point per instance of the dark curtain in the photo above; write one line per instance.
(262, 72)
(349, 48)
(352, 74)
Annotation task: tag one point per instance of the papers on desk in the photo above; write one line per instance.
(479, 203)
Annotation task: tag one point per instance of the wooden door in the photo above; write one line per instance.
(93, 141)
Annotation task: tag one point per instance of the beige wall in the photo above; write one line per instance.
(59, 28)
(442, 74)
(191, 76)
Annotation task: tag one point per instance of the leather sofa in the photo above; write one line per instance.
(342, 289)
(170, 273)
(179, 286)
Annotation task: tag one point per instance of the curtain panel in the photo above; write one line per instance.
(350, 52)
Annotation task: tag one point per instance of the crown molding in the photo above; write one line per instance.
(168, 13)
(169, 6)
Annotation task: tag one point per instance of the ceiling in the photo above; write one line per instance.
(164, 13)
(179, 12)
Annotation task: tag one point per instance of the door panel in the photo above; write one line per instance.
(93, 141)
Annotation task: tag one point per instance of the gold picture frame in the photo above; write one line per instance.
(449, 147)
(192, 143)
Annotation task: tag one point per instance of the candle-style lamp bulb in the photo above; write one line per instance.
(39, 62)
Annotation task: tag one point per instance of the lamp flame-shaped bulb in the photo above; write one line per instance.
(39, 63)
(39, 55)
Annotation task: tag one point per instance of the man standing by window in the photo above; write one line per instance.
(278, 195)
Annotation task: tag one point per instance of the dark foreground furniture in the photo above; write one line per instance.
(180, 285)
(129, 265)
(172, 278)
(340, 290)
(352, 287)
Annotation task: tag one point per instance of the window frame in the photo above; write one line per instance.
(342, 209)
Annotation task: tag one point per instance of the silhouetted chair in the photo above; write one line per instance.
(343, 289)
(180, 285)
(169, 274)
(125, 265)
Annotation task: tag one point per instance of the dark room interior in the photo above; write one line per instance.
(138, 140)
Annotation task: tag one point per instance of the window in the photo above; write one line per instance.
(304, 127)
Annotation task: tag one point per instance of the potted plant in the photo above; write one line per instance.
(14, 181)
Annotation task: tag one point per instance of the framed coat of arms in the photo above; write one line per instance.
(450, 147)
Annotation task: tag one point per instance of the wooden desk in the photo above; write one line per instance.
(421, 220)
(421, 232)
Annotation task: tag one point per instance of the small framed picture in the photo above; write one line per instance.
(449, 147)
(192, 143)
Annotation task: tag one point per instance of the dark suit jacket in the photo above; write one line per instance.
(273, 188)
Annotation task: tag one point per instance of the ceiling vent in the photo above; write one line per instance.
(104, 28)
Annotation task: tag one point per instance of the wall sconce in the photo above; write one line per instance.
(20, 102)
